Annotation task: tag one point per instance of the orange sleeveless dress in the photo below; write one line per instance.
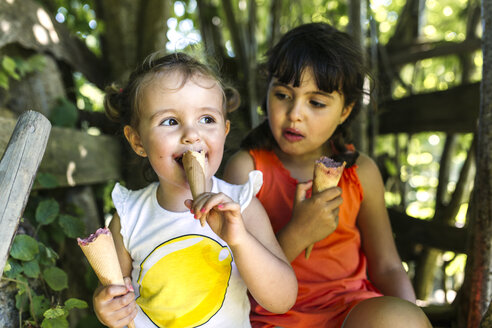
(334, 278)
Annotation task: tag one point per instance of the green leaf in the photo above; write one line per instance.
(47, 211)
(72, 226)
(9, 65)
(55, 313)
(56, 278)
(24, 248)
(46, 180)
(22, 302)
(4, 80)
(48, 256)
(64, 114)
(36, 63)
(59, 322)
(72, 303)
(40, 304)
(31, 268)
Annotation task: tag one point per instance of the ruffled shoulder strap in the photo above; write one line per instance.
(250, 188)
(120, 195)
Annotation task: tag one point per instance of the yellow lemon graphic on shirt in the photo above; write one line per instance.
(183, 281)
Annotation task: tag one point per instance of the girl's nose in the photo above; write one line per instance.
(190, 135)
(295, 111)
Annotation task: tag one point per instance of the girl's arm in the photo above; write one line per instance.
(312, 219)
(115, 305)
(384, 264)
(259, 259)
(262, 263)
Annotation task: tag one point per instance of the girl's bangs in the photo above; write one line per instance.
(291, 64)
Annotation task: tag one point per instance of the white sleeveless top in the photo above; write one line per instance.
(184, 275)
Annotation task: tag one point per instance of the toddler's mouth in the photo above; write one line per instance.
(179, 158)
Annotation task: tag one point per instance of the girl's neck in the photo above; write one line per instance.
(301, 166)
(171, 197)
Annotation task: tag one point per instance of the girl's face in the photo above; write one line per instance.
(303, 118)
(174, 119)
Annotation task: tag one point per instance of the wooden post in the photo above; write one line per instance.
(17, 172)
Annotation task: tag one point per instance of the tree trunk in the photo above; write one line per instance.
(477, 285)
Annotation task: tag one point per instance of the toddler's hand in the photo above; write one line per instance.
(316, 217)
(115, 305)
(222, 214)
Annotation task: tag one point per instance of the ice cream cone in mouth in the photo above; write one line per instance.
(327, 173)
(194, 166)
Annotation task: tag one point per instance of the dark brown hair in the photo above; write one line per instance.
(337, 65)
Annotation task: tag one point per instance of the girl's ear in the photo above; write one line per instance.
(346, 112)
(227, 127)
(134, 140)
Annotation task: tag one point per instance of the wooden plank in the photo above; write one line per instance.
(74, 157)
(17, 171)
(410, 231)
(452, 110)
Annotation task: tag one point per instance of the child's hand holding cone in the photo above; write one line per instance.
(100, 251)
(327, 173)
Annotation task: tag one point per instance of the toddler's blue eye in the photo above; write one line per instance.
(169, 122)
(207, 120)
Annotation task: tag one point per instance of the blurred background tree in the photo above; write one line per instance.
(419, 124)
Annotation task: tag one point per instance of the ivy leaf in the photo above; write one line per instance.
(64, 114)
(56, 278)
(47, 211)
(40, 304)
(22, 302)
(72, 303)
(47, 255)
(24, 248)
(4, 80)
(36, 63)
(31, 268)
(72, 226)
(9, 65)
(46, 180)
(59, 322)
(55, 313)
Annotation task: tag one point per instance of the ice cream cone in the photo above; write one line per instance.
(101, 253)
(194, 165)
(327, 173)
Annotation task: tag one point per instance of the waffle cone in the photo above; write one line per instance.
(194, 165)
(103, 259)
(324, 178)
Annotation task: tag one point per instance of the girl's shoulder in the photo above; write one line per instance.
(238, 167)
(368, 172)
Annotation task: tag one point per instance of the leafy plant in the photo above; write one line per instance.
(32, 266)
(16, 68)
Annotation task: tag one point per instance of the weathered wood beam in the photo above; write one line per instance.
(18, 168)
(430, 50)
(428, 233)
(452, 110)
(74, 157)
